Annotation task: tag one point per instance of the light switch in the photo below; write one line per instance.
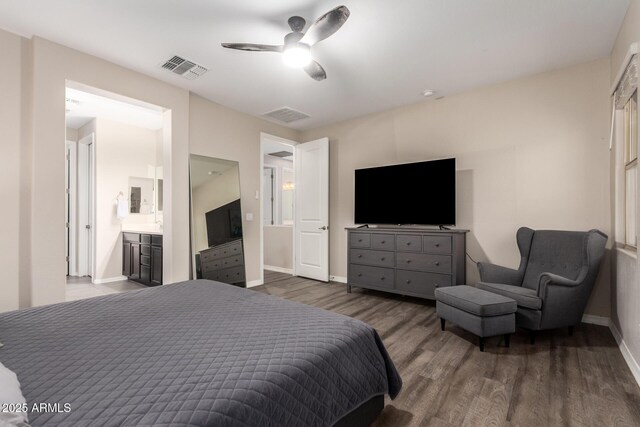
(250, 216)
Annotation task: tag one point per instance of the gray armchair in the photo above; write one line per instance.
(556, 275)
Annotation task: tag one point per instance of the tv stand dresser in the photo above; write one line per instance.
(405, 260)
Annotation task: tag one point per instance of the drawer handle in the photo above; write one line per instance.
(359, 274)
(383, 242)
(436, 285)
(381, 277)
(437, 245)
(359, 240)
(408, 281)
(408, 243)
(408, 261)
(360, 256)
(437, 263)
(382, 259)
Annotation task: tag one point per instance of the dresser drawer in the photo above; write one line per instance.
(423, 284)
(209, 255)
(436, 244)
(156, 239)
(232, 275)
(409, 242)
(369, 257)
(378, 277)
(424, 262)
(211, 265)
(234, 248)
(360, 240)
(145, 238)
(211, 275)
(231, 261)
(383, 241)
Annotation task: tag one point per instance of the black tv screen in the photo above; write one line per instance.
(413, 193)
(224, 224)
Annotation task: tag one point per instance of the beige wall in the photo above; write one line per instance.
(629, 33)
(216, 131)
(121, 151)
(625, 292)
(278, 246)
(33, 105)
(10, 153)
(531, 152)
(214, 193)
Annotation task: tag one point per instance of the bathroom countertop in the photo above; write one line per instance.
(142, 229)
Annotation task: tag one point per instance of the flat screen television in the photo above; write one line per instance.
(421, 193)
(224, 224)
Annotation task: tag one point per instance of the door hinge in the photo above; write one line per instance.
(67, 191)
(66, 224)
(66, 259)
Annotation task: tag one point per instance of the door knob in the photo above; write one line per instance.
(324, 227)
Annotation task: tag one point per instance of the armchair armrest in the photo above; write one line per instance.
(548, 280)
(493, 273)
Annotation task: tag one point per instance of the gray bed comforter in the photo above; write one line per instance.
(197, 353)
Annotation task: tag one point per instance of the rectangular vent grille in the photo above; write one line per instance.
(286, 115)
(281, 154)
(184, 68)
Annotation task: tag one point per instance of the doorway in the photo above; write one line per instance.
(114, 184)
(278, 187)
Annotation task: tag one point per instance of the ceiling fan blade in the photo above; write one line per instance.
(315, 71)
(326, 25)
(251, 47)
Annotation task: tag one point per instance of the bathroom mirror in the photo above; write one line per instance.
(216, 220)
(141, 195)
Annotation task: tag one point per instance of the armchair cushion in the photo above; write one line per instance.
(524, 297)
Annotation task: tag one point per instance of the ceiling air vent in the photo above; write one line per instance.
(286, 115)
(281, 154)
(182, 67)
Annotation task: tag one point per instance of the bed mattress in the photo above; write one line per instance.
(196, 353)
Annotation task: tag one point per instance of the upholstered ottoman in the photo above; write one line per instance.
(482, 313)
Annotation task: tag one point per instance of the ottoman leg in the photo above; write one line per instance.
(481, 344)
(507, 340)
(442, 322)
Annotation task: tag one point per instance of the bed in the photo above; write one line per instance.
(196, 353)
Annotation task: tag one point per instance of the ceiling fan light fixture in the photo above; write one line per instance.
(297, 56)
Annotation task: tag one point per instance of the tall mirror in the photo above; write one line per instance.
(217, 245)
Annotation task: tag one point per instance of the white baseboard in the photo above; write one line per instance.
(109, 280)
(595, 320)
(339, 279)
(254, 283)
(279, 269)
(626, 353)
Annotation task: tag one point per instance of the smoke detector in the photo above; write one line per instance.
(184, 68)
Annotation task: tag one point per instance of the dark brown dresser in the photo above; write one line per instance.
(224, 263)
(403, 260)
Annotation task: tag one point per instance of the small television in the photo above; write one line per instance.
(224, 224)
(421, 193)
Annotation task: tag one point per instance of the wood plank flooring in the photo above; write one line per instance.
(561, 380)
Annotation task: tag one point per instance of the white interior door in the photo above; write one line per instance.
(311, 239)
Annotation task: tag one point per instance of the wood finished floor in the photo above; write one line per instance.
(561, 380)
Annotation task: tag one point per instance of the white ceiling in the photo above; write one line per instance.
(83, 106)
(386, 54)
(203, 169)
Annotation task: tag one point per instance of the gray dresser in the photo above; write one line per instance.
(408, 261)
(224, 263)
